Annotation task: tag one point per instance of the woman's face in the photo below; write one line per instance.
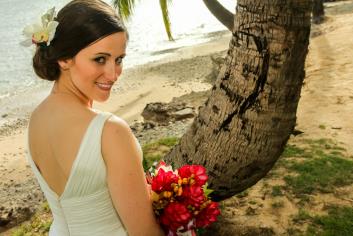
(96, 68)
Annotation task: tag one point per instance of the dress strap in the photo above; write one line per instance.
(89, 170)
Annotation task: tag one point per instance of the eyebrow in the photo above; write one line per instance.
(108, 54)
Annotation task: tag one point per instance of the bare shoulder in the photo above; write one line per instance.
(116, 124)
(118, 139)
(116, 128)
(37, 115)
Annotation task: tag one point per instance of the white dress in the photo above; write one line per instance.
(85, 206)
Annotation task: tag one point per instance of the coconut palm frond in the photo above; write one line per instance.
(125, 8)
(167, 25)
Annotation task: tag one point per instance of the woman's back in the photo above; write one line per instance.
(90, 170)
(56, 129)
(84, 206)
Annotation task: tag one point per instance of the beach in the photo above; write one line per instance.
(325, 108)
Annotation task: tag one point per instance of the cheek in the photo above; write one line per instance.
(119, 69)
(86, 71)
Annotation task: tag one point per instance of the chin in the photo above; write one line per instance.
(102, 99)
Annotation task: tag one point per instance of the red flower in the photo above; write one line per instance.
(175, 215)
(198, 172)
(193, 195)
(163, 180)
(208, 215)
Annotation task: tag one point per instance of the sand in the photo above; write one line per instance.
(326, 106)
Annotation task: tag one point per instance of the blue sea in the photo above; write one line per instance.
(191, 21)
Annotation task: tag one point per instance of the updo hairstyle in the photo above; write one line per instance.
(81, 22)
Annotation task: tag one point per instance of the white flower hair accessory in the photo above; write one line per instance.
(41, 34)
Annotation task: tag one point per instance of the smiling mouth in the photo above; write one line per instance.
(104, 86)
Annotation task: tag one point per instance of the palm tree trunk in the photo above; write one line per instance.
(221, 13)
(318, 11)
(243, 127)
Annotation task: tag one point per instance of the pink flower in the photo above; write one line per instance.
(163, 181)
(175, 215)
(208, 215)
(197, 172)
(193, 195)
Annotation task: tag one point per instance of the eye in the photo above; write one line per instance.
(100, 60)
(119, 60)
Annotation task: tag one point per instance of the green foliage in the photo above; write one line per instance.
(277, 204)
(38, 225)
(252, 202)
(301, 216)
(155, 151)
(206, 190)
(276, 191)
(322, 126)
(164, 8)
(245, 193)
(126, 7)
(338, 221)
(293, 151)
(320, 174)
(323, 168)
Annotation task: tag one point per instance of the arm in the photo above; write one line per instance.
(126, 180)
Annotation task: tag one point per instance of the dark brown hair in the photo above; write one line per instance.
(81, 22)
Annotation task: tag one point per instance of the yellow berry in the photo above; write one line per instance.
(180, 181)
(180, 191)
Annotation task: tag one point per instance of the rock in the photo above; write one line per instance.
(4, 221)
(184, 114)
(156, 112)
(166, 113)
(149, 125)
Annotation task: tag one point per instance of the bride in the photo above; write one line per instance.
(88, 163)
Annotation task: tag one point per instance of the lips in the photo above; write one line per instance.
(104, 86)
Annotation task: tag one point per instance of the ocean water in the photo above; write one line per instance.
(191, 21)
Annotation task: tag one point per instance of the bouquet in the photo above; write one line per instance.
(180, 198)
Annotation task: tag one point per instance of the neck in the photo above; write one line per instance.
(61, 87)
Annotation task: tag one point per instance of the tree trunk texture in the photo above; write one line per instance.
(318, 11)
(244, 125)
(221, 13)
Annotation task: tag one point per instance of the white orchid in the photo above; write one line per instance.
(41, 33)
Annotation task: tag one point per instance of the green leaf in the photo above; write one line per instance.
(164, 7)
(206, 190)
(125, 8)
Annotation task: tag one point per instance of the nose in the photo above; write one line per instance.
(112, 71)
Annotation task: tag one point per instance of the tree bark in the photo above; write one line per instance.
(244, 125)
(221, 13)
(318, 11)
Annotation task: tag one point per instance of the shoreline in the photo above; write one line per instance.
(16, 116)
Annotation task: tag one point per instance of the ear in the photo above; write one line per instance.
(65, 64)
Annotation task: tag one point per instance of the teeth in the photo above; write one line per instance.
(107, 86)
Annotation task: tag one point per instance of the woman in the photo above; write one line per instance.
(88, 163)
